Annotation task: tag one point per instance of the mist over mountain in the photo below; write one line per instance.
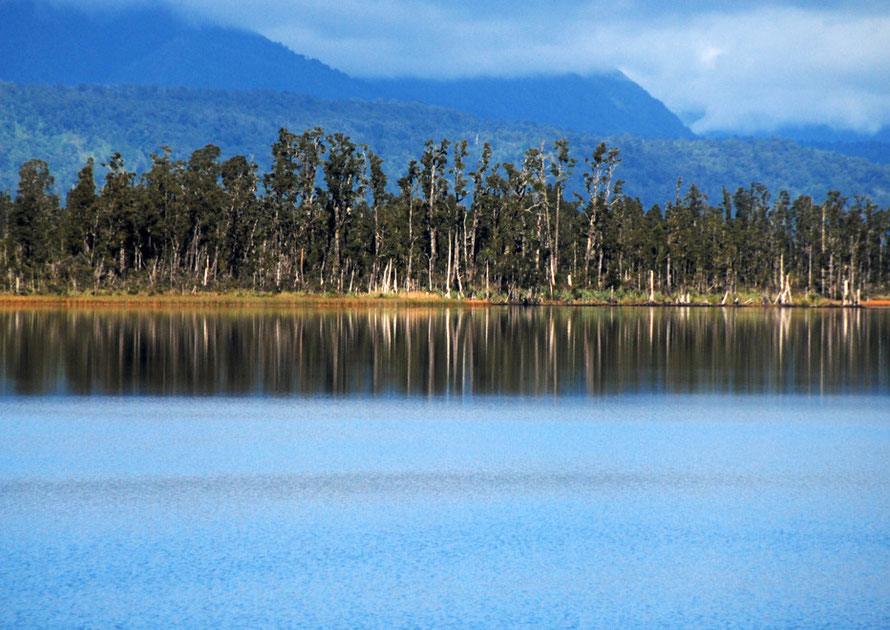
(57, 44)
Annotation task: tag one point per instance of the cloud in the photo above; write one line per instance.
(744, 67)
(764, 68)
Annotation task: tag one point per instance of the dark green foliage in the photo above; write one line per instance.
(323, 220)
(32, 226)
(79, 237)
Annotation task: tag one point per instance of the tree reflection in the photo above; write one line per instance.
(444, 351)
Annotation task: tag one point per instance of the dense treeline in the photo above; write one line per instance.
(323, 218)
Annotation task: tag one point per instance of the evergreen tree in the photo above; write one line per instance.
(242, 219)
(32, 224)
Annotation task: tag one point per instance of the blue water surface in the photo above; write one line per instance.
(628, 511)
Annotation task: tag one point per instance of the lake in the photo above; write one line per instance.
(444, 467)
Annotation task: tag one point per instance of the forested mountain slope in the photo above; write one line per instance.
(66, 125)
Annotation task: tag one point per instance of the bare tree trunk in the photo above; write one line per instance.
(599, 271)
(448, 270)
(668, 274)
(432, 207)
(410, 245)
(460, 288)
(554, 249)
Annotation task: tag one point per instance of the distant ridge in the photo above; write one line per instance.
(42, 42)
(874, 147)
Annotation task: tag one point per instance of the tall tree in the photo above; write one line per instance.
(561, 166)
(165, 215)
(434, 187)
(345, 179)
(408, 187)
(204, 201)
(598, 182)
(242, 219)
(80, 217)
(32, 222)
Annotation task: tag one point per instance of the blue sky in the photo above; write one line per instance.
(741, 66)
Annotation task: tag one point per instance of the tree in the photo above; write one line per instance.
(480, 192)
(165, 215)
(561, 166)
(434, 187)
(242, 220)
(379, 200)
(204, 202)
(80, 217)
(291, 201)
(408, 186)
(598, 182)
(457, 219)
(345, 180)
(32, 222)
(118, 220)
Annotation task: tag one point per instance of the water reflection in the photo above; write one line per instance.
(444, 351)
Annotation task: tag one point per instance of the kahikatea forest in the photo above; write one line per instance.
(325, 220)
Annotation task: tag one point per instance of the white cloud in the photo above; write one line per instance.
(776, 66)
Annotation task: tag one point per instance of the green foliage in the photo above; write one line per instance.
(32, 224)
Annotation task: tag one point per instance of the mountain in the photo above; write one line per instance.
(42, 42)
(874, 147)
(58, 44)
(605, 104)
(67, 125)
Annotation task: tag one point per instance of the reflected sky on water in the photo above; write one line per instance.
(444, 351)
(636, 511)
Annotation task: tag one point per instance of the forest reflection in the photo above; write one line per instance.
(443, 351)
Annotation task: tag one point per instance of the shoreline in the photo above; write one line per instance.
(412, 299)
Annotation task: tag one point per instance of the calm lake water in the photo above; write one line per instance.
(499, 467)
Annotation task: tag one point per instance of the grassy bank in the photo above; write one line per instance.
(235, 299)
(415, 298)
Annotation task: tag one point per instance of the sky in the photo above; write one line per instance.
(741, 67)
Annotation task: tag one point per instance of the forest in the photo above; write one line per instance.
(323, 218)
